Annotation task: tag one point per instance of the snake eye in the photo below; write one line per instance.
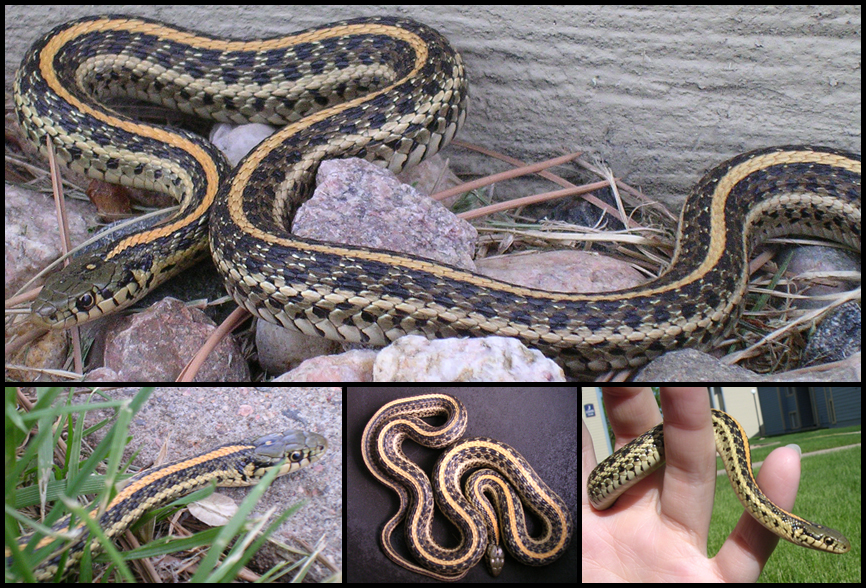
(296, 456)
(85, 302)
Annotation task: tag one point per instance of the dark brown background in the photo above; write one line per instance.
(540, 423)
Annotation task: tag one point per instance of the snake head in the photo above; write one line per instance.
(96, 283)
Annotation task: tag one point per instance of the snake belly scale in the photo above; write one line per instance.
(637, 459)
(389, 90)
(506, 477)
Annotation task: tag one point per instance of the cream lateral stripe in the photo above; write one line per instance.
(420, 487)
(48, 73)
(490, 511)
(636, 460)
(544, 492)
(233, 465)
(381, 447)
(511, 506)
(242, 175)
(393, 91)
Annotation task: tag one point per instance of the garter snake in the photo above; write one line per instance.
(235, 464)
(637, 459)
(505, 472)
(394, 91)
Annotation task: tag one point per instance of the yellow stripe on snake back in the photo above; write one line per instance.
(634, 461)
(506, 472)
(394, 91)
(234, 465)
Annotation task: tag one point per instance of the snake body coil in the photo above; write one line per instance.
(389, 90)
(506, 475)
(639, 458)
